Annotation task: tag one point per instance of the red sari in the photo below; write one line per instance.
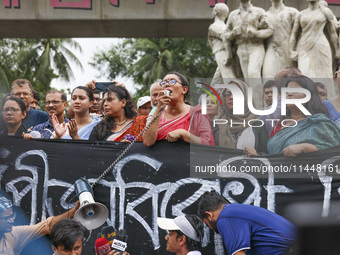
(133, 128)
(194, 122)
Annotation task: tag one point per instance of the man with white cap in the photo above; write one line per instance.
(144, 105)
(185, 233)
(14, 238)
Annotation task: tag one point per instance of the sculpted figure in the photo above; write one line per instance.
(309, 44)
(221, 51)
(335, 21)
(247, 27)
(277, 53)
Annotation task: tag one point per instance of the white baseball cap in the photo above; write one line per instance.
(143, 100)
(179, 223)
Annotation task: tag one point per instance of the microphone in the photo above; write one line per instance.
(35, 134)
(119, 243)
(102, 246)
(109, 233)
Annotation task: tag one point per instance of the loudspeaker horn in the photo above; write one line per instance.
(90, 213)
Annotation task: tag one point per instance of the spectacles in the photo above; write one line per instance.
(53, 102)
(11, 109)
(9, 218)
(227, 94)
(25, 94)
(170, 82)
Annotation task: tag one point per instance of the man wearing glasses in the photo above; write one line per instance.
(22, 89)
(14, 238)
(55, 104)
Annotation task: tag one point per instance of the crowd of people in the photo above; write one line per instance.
(112, 115)
(253, 228)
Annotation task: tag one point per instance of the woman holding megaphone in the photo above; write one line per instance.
(177, 120)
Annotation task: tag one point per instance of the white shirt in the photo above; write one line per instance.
(194, 253)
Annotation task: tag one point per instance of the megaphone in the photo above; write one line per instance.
(90, 213)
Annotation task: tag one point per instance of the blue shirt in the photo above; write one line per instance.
(46, 128)
(333, 113)
(255, 229)
(34, 118)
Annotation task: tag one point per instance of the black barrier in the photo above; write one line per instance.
(151, 182)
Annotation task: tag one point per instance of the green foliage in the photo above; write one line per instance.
(146, 60)
(37, 60)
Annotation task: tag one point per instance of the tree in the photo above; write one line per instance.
(49, 59)
(37, 60)
(146, 60)
(8, 65)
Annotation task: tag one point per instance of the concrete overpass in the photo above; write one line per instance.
(116, 18)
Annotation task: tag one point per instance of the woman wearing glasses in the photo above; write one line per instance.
(177, 120)
(245, 131)
(297, 132)
(13, 112)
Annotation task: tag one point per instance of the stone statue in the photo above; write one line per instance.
(221, 50)
(278, 53)
(335, 21)
(309, 44)
(248, 26)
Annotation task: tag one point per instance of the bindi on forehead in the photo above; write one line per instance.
(171, 77)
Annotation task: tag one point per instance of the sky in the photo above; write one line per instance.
(89, 47)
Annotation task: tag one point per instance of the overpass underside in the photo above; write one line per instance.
(116, 18)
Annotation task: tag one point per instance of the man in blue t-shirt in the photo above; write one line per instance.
(246, 229)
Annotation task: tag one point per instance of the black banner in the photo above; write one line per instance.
(155, 182)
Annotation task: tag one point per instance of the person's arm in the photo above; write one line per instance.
(296, 149)
(231, 32)
(173, 136)
(70, 113)
(200, 130)
(69, 214)
(113, 252)
(73, 129)
(228, 50)
(58, 129)
(91, 85)
(240, 253)
(27, 136)
(213, 34)
(267, 29)
(333, 38)
(263, 33)
(250, 151)
(150, 135)
(293, 38)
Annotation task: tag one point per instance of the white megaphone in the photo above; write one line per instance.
(90, 214)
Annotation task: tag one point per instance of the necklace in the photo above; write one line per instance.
(121, 124)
